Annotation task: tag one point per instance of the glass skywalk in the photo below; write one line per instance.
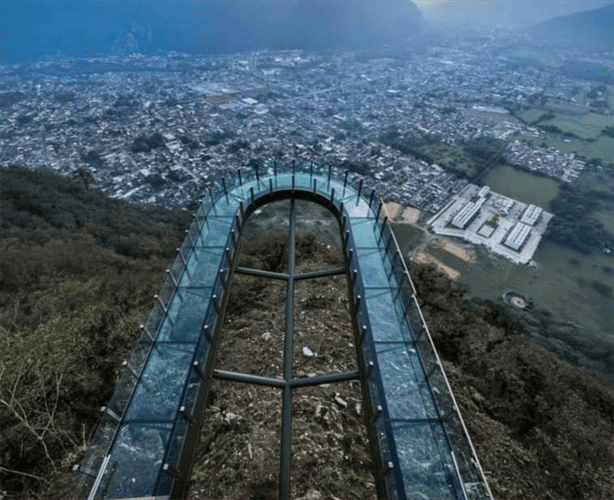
(145, 443)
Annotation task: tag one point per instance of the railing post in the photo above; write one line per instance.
(225, 190)
(185, 264)
(371, 197)
(275, 168)
(187, 231)
(213, 201)
(363, 334)
(157, 297)
(329, 174)
(168, 271)
(315, 182)
(270, 185)
(240, 178)
(359, 192)
(332, 196)
(147, 332)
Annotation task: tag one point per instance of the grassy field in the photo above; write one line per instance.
(586, 126)
(597, 181)
(607, 218)
(602, 148)
(531, 115)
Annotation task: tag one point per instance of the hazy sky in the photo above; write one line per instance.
(510, 13)
(32, 27)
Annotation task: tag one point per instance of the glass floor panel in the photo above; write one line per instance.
(383, 316)
(159, 391)
(404, 380)
(136, 461)
(365, 232)
(203, 266)
(186, 314)
(426, 473)
(214, 232)
(374, 266)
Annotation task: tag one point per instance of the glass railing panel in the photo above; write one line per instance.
(402, 375)
(122, 393)
(166, 292)
(427, 472)
(136, 460)
(100, 444)
(185, 317)
(202, 267)
(214, 232)
(139, 354)
(158, 393)
(373, 268)
(227, 205)
(303, 181)
(385, 325)
(176, 268)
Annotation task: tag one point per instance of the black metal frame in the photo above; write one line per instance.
(288, 383)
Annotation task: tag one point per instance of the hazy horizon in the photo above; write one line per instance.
(47, 27)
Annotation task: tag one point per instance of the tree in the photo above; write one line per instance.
(85, 175)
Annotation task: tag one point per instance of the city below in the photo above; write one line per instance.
(164, 128)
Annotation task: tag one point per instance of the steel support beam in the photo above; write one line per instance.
(248, 379)
(286, 417)
(331, 378)
(320, 274)
(262, 273)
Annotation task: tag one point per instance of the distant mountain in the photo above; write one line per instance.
(325, 23)
(591, 30)
(501, 14)
(39, 27)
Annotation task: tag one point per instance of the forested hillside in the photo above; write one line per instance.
(79, 271)
(78, 274)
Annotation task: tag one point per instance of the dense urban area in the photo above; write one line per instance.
(161, 128)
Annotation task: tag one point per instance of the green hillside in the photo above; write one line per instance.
(79, 271)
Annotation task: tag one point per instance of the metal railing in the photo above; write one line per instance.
(235, 198)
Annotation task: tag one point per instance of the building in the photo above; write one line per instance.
(517, 236)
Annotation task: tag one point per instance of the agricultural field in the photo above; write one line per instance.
(607, 218)
(586, 126)
(601, 149)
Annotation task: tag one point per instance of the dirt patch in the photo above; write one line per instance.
(455, 250)
(239, 450)
(425, 258)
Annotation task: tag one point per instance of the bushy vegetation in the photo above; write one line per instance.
(144, 144)
(9, 98)
(79, 271)
(542, 428)
(573, 224)
(124, 106)
(469, 161)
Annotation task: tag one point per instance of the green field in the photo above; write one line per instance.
(602, 148)
(522, 186)
(597, 181)
(586, 125)
(531, 115)
(607, 218)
